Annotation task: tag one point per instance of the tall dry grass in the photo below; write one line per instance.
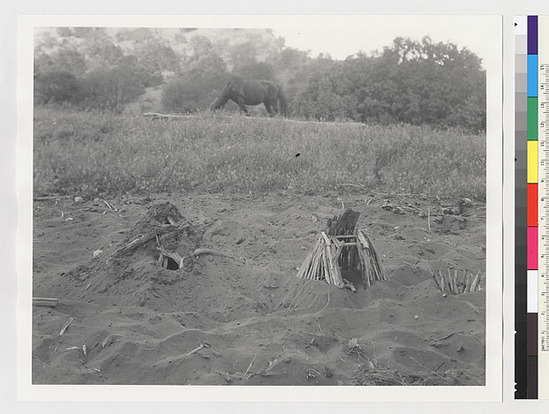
(95, 153)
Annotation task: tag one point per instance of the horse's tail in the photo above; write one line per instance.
(282, 101)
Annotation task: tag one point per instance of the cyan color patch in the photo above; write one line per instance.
(532, 75)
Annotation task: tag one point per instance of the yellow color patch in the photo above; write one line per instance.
(532, 162)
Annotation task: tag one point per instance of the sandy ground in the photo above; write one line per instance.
(135, 322)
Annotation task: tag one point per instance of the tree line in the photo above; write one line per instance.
(409, 82)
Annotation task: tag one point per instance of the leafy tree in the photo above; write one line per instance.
(410, 82)
(100, 50)
(197, 85)
(62, 60)
(257, 70)
(112, 87)
(84, 32)
(157, 58)
(200, 46)
(137, 35)
(64, 31)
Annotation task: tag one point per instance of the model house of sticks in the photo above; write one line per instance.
(343, 247)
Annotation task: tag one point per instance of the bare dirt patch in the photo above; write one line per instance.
(243, 318)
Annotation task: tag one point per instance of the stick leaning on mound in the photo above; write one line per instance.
(167, 229)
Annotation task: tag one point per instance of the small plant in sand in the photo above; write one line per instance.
(456, 282)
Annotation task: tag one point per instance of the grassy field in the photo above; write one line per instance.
(94, 153)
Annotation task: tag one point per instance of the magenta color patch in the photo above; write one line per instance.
(532, 244)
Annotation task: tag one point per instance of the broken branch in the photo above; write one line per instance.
(49, 302)
(64, 328)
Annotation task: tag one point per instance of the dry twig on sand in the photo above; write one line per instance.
(250, 366)
(50, 197)
(64, 328)
(48, 302)
(213, 252)
(141, 240)
(202, 345)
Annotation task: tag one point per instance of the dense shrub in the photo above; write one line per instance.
(57, 87)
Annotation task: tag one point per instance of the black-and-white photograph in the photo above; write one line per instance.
(272, 204)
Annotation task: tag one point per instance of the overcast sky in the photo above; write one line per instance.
(347, 36)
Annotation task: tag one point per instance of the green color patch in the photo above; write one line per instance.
(532, 114)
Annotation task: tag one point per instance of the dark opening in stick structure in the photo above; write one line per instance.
(347, 248)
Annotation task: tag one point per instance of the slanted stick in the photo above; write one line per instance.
(334, 268)
(475, 282)
(447, 283)
(449, 279)
(456, 282)
(366, 274)
(329, 264)
(362, 264)
(435, 279)
(338, 274)
(317, 274)
(441, 282)
(305, 266)
(64, 328)
(363, 257)
(315, 260)
(373, 259)
(335, 263)
(315, 270)
(467, 282)
(326, 239)
(327, 273)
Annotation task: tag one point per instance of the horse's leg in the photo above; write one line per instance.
(240, 102)
(269, 108)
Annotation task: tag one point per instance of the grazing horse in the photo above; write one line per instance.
(253, 92)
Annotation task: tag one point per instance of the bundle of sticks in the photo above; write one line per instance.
(331, 254)
(456, 282)
(321, 262)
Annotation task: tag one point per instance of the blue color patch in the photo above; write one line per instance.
(532, 75)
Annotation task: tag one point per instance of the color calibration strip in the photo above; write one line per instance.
(526, 203)
(532, 209)
(521, 120)
(543, 205)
